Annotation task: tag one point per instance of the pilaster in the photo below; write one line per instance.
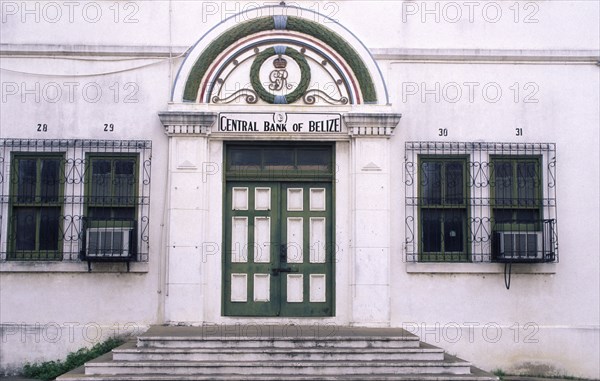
(370, 215)
(187, 211)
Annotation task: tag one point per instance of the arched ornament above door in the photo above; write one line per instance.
(280, 55)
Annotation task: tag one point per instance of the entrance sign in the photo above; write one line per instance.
(279, 122)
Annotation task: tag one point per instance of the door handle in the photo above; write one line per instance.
(283, 252)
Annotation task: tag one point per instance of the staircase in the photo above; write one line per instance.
(250, 352)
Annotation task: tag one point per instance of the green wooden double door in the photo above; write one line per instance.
(279, 249)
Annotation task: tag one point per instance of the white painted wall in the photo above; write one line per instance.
(541, 312)
(37, 300)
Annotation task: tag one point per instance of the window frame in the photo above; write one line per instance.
(514, 205)
(13, 253)
(444, 207)
(276, 172)
(112, 221)
(89, 183)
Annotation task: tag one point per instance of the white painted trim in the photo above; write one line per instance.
(129, 51)
(398, 54)
(71, 267)
(488, 55)
(479, 268)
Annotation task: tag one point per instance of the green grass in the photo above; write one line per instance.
(49, 370)
(501, 374)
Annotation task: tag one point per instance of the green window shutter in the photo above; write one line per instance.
(443, 212)
(35, 207)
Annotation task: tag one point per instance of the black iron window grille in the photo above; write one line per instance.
(480, 202)
(74, 199)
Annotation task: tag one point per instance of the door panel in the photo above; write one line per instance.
(278, 257)
(307, 232)
(250, 243)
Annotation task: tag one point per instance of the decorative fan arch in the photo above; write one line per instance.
(280, 59)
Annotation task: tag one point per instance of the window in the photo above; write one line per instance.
(517, 205)
(36, 207)
(279, 160)
(443, 209)
(480, 202)
(516, 185)
(112, 188)
(74, 199)
(111, 206)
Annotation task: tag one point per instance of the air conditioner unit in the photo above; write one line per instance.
(521, 246)
(108, 242)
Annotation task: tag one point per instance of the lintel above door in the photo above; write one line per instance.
(326, 125)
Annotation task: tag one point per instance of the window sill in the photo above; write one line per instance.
(71, 267)
(479, 268)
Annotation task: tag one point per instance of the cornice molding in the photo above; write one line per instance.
(187, 123)
(371, 124)
(547, 56)
(580, 56)
(81, 50)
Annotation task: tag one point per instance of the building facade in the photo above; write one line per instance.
(425, 165)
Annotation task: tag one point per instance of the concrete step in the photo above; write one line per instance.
(277, 337)
(277, 353)
(450, 365)
(131, 352)
(475, 375)
(277, 342)
(266, 377)
(169, 342)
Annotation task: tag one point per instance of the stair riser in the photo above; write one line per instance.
(141, 356)
(275, 344)
(297, 370)
(262, 377)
